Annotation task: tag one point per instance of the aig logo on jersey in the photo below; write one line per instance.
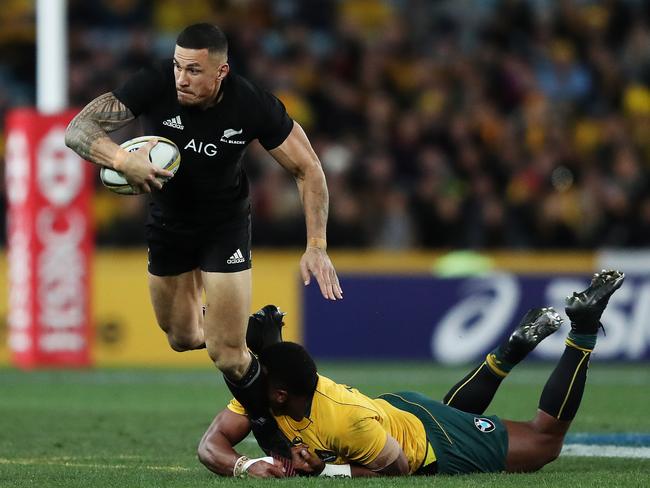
(483, 424)
(198, 147)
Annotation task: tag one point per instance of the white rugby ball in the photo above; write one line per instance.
(163, 155)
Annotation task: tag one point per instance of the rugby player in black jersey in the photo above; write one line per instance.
(198, 228)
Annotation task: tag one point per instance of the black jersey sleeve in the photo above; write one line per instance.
(274, 124)
(141, 90)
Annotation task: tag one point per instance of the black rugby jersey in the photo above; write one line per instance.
(210, 184)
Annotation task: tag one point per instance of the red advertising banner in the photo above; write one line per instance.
(50, 243)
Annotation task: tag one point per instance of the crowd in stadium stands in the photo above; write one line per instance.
(448, 124)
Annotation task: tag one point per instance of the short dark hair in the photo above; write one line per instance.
(290, 367)
(203, 36)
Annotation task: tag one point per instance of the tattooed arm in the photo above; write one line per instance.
(87, 135)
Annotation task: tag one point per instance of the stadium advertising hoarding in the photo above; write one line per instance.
(385, 313)
(49, 243)
(459, 320)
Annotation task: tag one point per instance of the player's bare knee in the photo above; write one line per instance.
(178, 346)
(232, 361)
(182, 342)
(232, 369)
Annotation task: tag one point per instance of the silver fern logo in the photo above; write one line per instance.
(228, 134)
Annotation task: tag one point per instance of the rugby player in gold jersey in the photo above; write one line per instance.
(336, 430)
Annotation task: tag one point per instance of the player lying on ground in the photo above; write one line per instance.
(336, 430)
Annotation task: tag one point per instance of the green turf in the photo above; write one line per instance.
(127, 428)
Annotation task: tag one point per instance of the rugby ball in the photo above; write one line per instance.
(164, 155)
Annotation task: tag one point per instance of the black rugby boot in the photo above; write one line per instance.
(585, 308)
(475, 391)
(264, 328)
(535, 326)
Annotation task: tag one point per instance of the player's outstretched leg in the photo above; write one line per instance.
(563, 391)
(475, 391)
(264, 328)
(538, 442)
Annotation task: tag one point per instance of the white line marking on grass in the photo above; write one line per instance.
(84, 458)
(68, 464)
(608, 451)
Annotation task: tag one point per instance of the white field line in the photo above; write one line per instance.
(606, 451)
(75, 464)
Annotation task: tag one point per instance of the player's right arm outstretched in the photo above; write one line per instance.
(87, 135)
(216, 450)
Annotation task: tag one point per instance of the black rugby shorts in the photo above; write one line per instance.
(175, 248)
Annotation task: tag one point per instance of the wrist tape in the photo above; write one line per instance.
(244, 463)
(337, 471)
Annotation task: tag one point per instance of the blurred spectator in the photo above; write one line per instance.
(500, 124)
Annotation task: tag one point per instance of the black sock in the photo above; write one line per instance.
(250, 390)
(475, 391)
(563, 390)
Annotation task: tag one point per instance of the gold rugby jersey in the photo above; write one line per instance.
(344, 425)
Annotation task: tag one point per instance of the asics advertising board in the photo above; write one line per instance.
(459, 320)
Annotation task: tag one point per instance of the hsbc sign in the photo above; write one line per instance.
(60, 173)
(50, 243)
(61, 287)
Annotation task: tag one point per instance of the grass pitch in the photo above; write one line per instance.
(128, 428)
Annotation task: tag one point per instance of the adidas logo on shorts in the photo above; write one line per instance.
(236, 258)
(174, 122)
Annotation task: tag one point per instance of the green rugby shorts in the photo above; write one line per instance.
(463, 442)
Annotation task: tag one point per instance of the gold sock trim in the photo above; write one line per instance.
(572, 344)
(468, 380)
(585, 355)
(492, 362)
